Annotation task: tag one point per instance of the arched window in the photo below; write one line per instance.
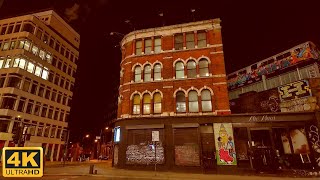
(193, 101)
(157, 72)
(191, 67)
(137, 74)
(147, 73)
(146, 104)
(157, 103)
(203, 68)
(206, 100)
(136, 104)
(180, 102)
(179, 70)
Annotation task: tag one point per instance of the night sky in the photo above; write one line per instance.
(251, 30)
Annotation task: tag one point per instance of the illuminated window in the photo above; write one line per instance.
(180, 102)
(193, 101)
(179, 70)
(35, 50)
(157, 72)
(42, 54)
(146, 104)
(147, 73)
(38, 71)
(206, 100)
(30, 67)
(157, 103)
(203, 68)
(136, 104)
(8, 63)
(137, 74)
(5, 46)
(26, 45)
(191, 67)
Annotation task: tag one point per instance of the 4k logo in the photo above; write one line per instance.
(22, 162)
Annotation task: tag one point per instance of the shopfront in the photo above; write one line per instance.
(251, 141)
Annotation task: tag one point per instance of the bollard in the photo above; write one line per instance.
(91, 169)
(95, 171)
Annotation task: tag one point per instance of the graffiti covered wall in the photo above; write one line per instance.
(224, 140)
(144, 154)
(187, 155)
(313, 135)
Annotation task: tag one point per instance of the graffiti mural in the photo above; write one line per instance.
(298, 105)
(315, 141)
(288, 58)
(295, 90)
(225, 149)
(144, 154)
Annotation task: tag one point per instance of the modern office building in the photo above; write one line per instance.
(38, 56)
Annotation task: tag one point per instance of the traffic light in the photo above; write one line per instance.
(17, 135)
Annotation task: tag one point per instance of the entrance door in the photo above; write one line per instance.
(208, 148)
(241, 141)
(260, 138)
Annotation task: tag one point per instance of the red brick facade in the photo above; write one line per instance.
(169, 85)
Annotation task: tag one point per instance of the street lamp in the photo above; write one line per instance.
(107, 128)
(87, 135)
(96, 140)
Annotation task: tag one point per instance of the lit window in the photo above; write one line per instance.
(179, 70)
(157, 72)
(35, 50)
(193, 101)
(191, 67)
(138, 47)
(27, 45)
(5, 46)
(22, 63)
(147, 46)
(16, 62)
(137, 74)
(157, 103)
(178, 41)
(12, 45)
(146, 104)
(202, 41)
(8, 63)
(180, 102)
(147, 73)
(190, 40)
(157, 44)
(203, 68)
(136, 104)
(45, 74)
(38, 71)
(206, 101)
(42, 54)
(1, 63)
(30, 67)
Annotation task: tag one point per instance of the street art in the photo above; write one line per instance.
(226, 154)
(315, 141)
(295, 90)
(144, 153)
(298, 105)
(288, 58)
(270, 104)
(299, 141)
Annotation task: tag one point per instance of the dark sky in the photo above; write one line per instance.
(252, 31)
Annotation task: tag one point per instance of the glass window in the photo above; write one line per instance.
(180, 102)
(50, 112)
(4, 125)
(138, 47)
(35, 50)
(21, 105)
(10, 29)
(146, 104)
(14, 82)
(16, 62)
(206, 101)
(12, 45)
(2, 79)
(203, 68)
(62, 50)
(202, 39)
(147, 73)
(147, 46)
(47, 93)
(30, 67)
(22, 63)
(157, 103)
(26, 45)
(157, 72)
(137, 74)
(178, 41)
(3, 30)
(17, 28)
(37, 109)
(34, 87)
(40, 130)
(39, 33)
(32, 129)
(193, 101)
(53, 95)
(29, 107)
(47, 130)
(1, 63)
(5, 46)
(191, 67)
(42, 54)
(136, 104)
(57, 48)
(45, 74)
(38, 71)
(8, 103)
(179, 70)
(56, 114)
(41, 91)
(157, 44)
(26, 85)
(48, 58)
(44, 111)
(45, 38)
(51, 43)
(190, 40)
(58, 133)
(28, 27)
(53, 132)
(8, 63)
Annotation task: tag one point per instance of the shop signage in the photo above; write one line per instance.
(155, 136)
(264, 118)
(295, 90)
(224, 142)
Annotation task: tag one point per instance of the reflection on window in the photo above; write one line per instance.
(136, 104)
(30, 67)
(157, 103)
(137, 74)
(157, 44)
(8, 63)
(35, 50)
(179, 70)
(138, 47)
(202, 42)
(146, 104)
(191, 67)
(147, 73)
(147, 46)
(180, 102)
(206, 101)
(178, 41)
(203, 68)
(193, 101)
(157, 72)
(190, 40)
(38, 71)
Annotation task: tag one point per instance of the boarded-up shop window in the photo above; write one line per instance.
(186, 147)
(141, 150)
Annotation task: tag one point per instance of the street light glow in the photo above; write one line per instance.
(96, 140)
(87, 135)
(107, 128)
